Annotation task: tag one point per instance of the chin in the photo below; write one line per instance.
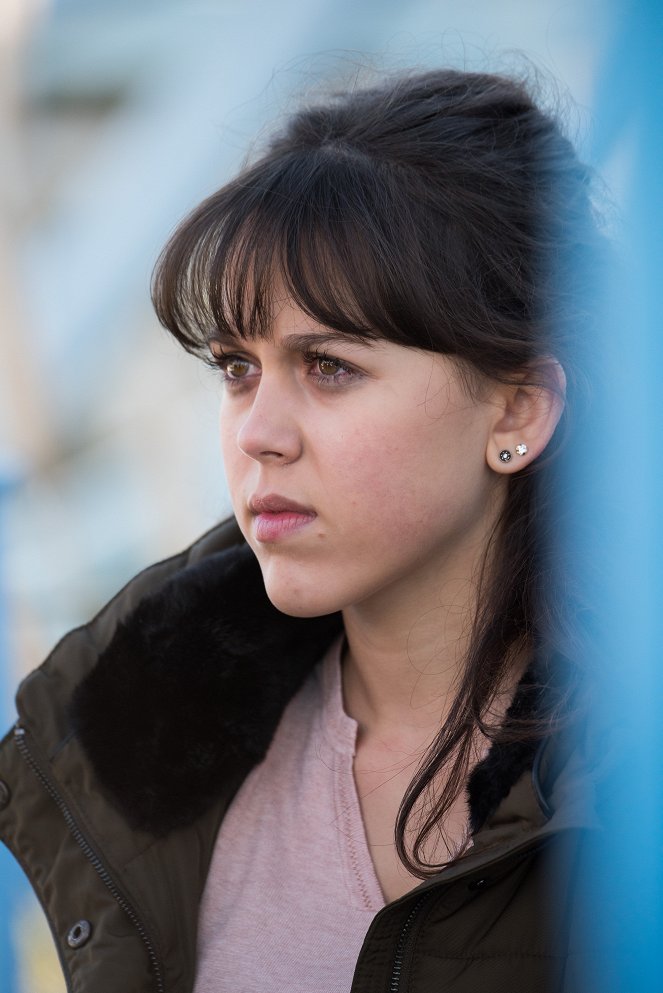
(297, 596)
(297, 605)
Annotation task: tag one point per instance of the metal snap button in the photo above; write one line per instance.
(5, 795)
(79, 934)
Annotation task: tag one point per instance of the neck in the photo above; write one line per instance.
(405, 656)
(407, 644)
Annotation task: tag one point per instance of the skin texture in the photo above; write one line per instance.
(394, 465)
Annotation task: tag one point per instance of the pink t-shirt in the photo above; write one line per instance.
(292, 888)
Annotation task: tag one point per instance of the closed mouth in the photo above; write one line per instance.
(272, 503)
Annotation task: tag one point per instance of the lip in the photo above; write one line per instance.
(275, 517)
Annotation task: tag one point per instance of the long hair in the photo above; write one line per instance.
(444, 211)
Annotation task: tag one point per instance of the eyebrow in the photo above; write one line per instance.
(304, 342)
(297, 342)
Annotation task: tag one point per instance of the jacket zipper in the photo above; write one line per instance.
(405, 940)
(90, 854)
(408, 934)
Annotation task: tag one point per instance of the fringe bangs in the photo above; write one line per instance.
(288, 228)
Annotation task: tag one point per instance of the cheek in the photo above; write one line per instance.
(403, 477)
(234, 460)
(229, 453)
(377, 475)
(223, 432)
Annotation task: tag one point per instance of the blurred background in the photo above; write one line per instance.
(116, 118)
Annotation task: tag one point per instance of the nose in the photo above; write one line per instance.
(269, 431)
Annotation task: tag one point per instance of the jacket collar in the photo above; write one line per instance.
(186, 696)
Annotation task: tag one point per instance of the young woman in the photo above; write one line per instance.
(322, 750)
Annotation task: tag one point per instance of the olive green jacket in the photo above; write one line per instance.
(133, 737)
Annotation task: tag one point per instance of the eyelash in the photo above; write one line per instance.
(330, 380)
(344, 372)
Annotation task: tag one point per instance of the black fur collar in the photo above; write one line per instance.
(191, 688)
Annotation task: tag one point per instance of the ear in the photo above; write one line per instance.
(527, 412)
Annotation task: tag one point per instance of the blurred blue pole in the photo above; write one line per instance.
(11, 877)
(624, 475)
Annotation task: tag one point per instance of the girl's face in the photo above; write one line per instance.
(357, 470)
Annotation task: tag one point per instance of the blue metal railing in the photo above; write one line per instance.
(624, 475)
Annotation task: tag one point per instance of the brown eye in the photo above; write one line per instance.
(328, 371)
(236, 368)
(328, 367)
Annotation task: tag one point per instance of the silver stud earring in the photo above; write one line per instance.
(505, 455)
(521, 449)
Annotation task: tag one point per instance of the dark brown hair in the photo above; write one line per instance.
(442, 210)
